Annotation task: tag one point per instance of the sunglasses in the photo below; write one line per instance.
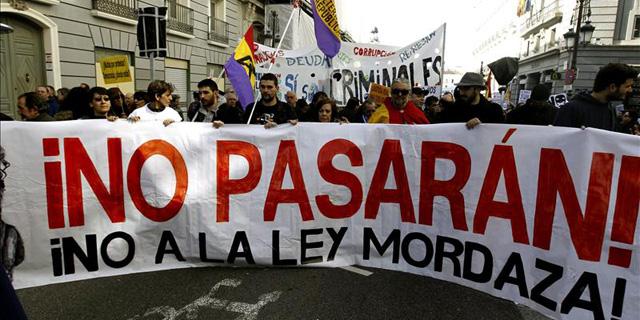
(103, 98)
(398, 92)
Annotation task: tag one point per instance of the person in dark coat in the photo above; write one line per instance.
(33, 108)
(270, 111)
(470, 106)
(537, 111)
(210, 110)
(613, 82)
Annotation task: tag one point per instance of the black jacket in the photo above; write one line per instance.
(280, 113)
(485, 110)
(584, 110)
(225, 114)
(540, 113)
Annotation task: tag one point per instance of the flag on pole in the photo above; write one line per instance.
(325, 22)
(488, 85)
(521, 7)
(240, 69)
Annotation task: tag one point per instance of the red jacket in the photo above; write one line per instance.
(387, 113)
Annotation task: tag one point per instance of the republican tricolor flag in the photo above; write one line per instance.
(325, 22)
(241, 70)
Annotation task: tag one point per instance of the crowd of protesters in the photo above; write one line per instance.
(406, 105)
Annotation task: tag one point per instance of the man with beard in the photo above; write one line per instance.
(269, 110)
(398, 109)
(472, 107)
(210, 110)
(613, 82)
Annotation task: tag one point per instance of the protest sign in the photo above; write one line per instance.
(115, 69)
(378, 93)
(558, 100)
(357, 65)
(524, 96)
(545, 218)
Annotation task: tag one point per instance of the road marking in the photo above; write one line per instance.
(247, 311)
(357, 270)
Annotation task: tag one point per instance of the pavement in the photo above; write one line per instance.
(267, 293)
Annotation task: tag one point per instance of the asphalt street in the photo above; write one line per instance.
(267, 293)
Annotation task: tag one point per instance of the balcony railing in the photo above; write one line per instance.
(543, 16)
(179, 17)
(219, 31)
(121, 8)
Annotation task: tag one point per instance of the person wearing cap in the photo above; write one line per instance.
(613, 82)
(537, 111)
(470, 106)
(398, 109)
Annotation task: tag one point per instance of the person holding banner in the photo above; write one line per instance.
(613, 82)
(159, 92)
(326, 111)
(269, 110)
(210, 110)
(398, 109)
(99, 105)
(470, 106)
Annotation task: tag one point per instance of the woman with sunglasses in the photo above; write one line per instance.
(398, 109)
(99, 105)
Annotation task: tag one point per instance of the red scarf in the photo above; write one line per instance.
(409, 115)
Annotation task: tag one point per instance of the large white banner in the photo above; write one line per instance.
(307, 70)
(544, 216)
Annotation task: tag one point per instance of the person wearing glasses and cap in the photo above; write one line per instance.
(472, 107)
(398, 109)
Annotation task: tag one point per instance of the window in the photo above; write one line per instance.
(218, 27)
(552, 38)
(217, 9)
(636, 27)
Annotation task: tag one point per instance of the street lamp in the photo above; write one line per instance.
(582, 34)
(570, 38)
(586, 32)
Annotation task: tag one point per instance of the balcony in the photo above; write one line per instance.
(219, 31)
(544, 18)
(126, 9)
(179, 17)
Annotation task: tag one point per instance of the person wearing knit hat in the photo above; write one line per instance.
(536, 111)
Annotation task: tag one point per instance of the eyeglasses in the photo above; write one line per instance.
(398, 92)
(103, 98)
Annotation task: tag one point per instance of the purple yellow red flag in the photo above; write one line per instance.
(325, 22)
(240, 69)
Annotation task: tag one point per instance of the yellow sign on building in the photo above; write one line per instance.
(115, 69)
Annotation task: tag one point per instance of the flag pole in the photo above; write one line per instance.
(272, 61)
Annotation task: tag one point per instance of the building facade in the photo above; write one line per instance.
(544, 57)
(62, 42)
